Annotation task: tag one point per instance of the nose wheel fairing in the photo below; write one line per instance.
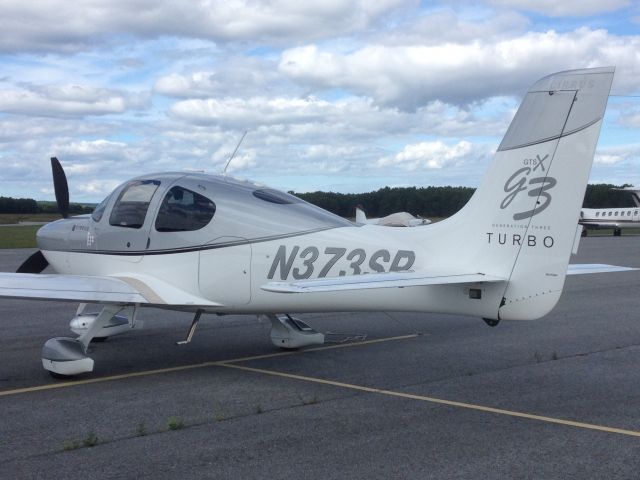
(64, 356)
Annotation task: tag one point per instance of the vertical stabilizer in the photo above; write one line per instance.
(551, 141)
(361, 217)
(521, 222)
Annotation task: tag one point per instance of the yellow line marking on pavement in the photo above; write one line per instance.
(451, 403)
(158, 371)
(317, 349)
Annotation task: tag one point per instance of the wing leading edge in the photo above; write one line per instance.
(68, 287)
(128, 290)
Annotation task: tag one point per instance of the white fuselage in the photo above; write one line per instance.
(616, 218)
(233, 276)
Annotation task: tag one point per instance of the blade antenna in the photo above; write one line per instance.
(224, 172)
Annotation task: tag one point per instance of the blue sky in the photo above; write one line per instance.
(345, 95)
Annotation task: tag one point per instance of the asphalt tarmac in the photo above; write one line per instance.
(422, 396)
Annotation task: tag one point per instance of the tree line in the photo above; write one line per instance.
(438, 201)
(29, 205)
(423, 201)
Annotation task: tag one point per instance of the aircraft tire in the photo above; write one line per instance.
(59, 376)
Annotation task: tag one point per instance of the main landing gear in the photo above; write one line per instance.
(290, 333)
(64, 356)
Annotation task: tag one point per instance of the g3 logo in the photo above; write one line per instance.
(520, 182)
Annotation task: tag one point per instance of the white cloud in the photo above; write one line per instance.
(15, 128)
(68, 100)
(445, 26)
(429, 155)
(291, 120)
(246, 77)
(59, 25)
(94, 147)
(617, 165)
(564, 8)
(617, 154)
(605, 159)
(411, 75)
(248, 113)
(629, 116)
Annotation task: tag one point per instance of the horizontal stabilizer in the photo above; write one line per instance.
(377, 280)
(584, 268)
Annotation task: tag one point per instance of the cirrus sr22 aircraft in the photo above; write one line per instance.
(204, 243)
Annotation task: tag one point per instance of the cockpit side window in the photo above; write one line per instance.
(99, 210)
(131, 207)
(183, 211)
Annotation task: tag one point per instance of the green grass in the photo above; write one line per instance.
(175, 423)
(18, 237)
(8, 218)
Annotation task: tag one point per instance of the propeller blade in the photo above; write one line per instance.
(61, 187)
(36, 263)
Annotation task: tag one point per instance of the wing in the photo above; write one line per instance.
(377, 280)
(584, 268)
(97, 289)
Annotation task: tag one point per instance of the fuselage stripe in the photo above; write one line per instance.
(197, 248)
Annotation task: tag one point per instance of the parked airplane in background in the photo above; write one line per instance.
(212, 244)
(614, 218)
(398, 219)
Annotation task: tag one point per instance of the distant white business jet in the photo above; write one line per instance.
(614, 218)
(211, 244)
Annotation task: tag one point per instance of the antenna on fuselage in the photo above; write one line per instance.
(224, 172)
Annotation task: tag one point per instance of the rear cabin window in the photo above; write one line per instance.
(183, 211)
(131, 207)
(275, 196)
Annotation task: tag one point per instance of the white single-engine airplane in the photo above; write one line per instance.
(203, 243)
(615, 218)
(398, 219)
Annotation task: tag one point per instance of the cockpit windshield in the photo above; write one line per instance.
(97, 213)
(131, 207)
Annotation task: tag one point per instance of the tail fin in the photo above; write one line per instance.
(361, 217)
(635, 194)
(521, 222)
